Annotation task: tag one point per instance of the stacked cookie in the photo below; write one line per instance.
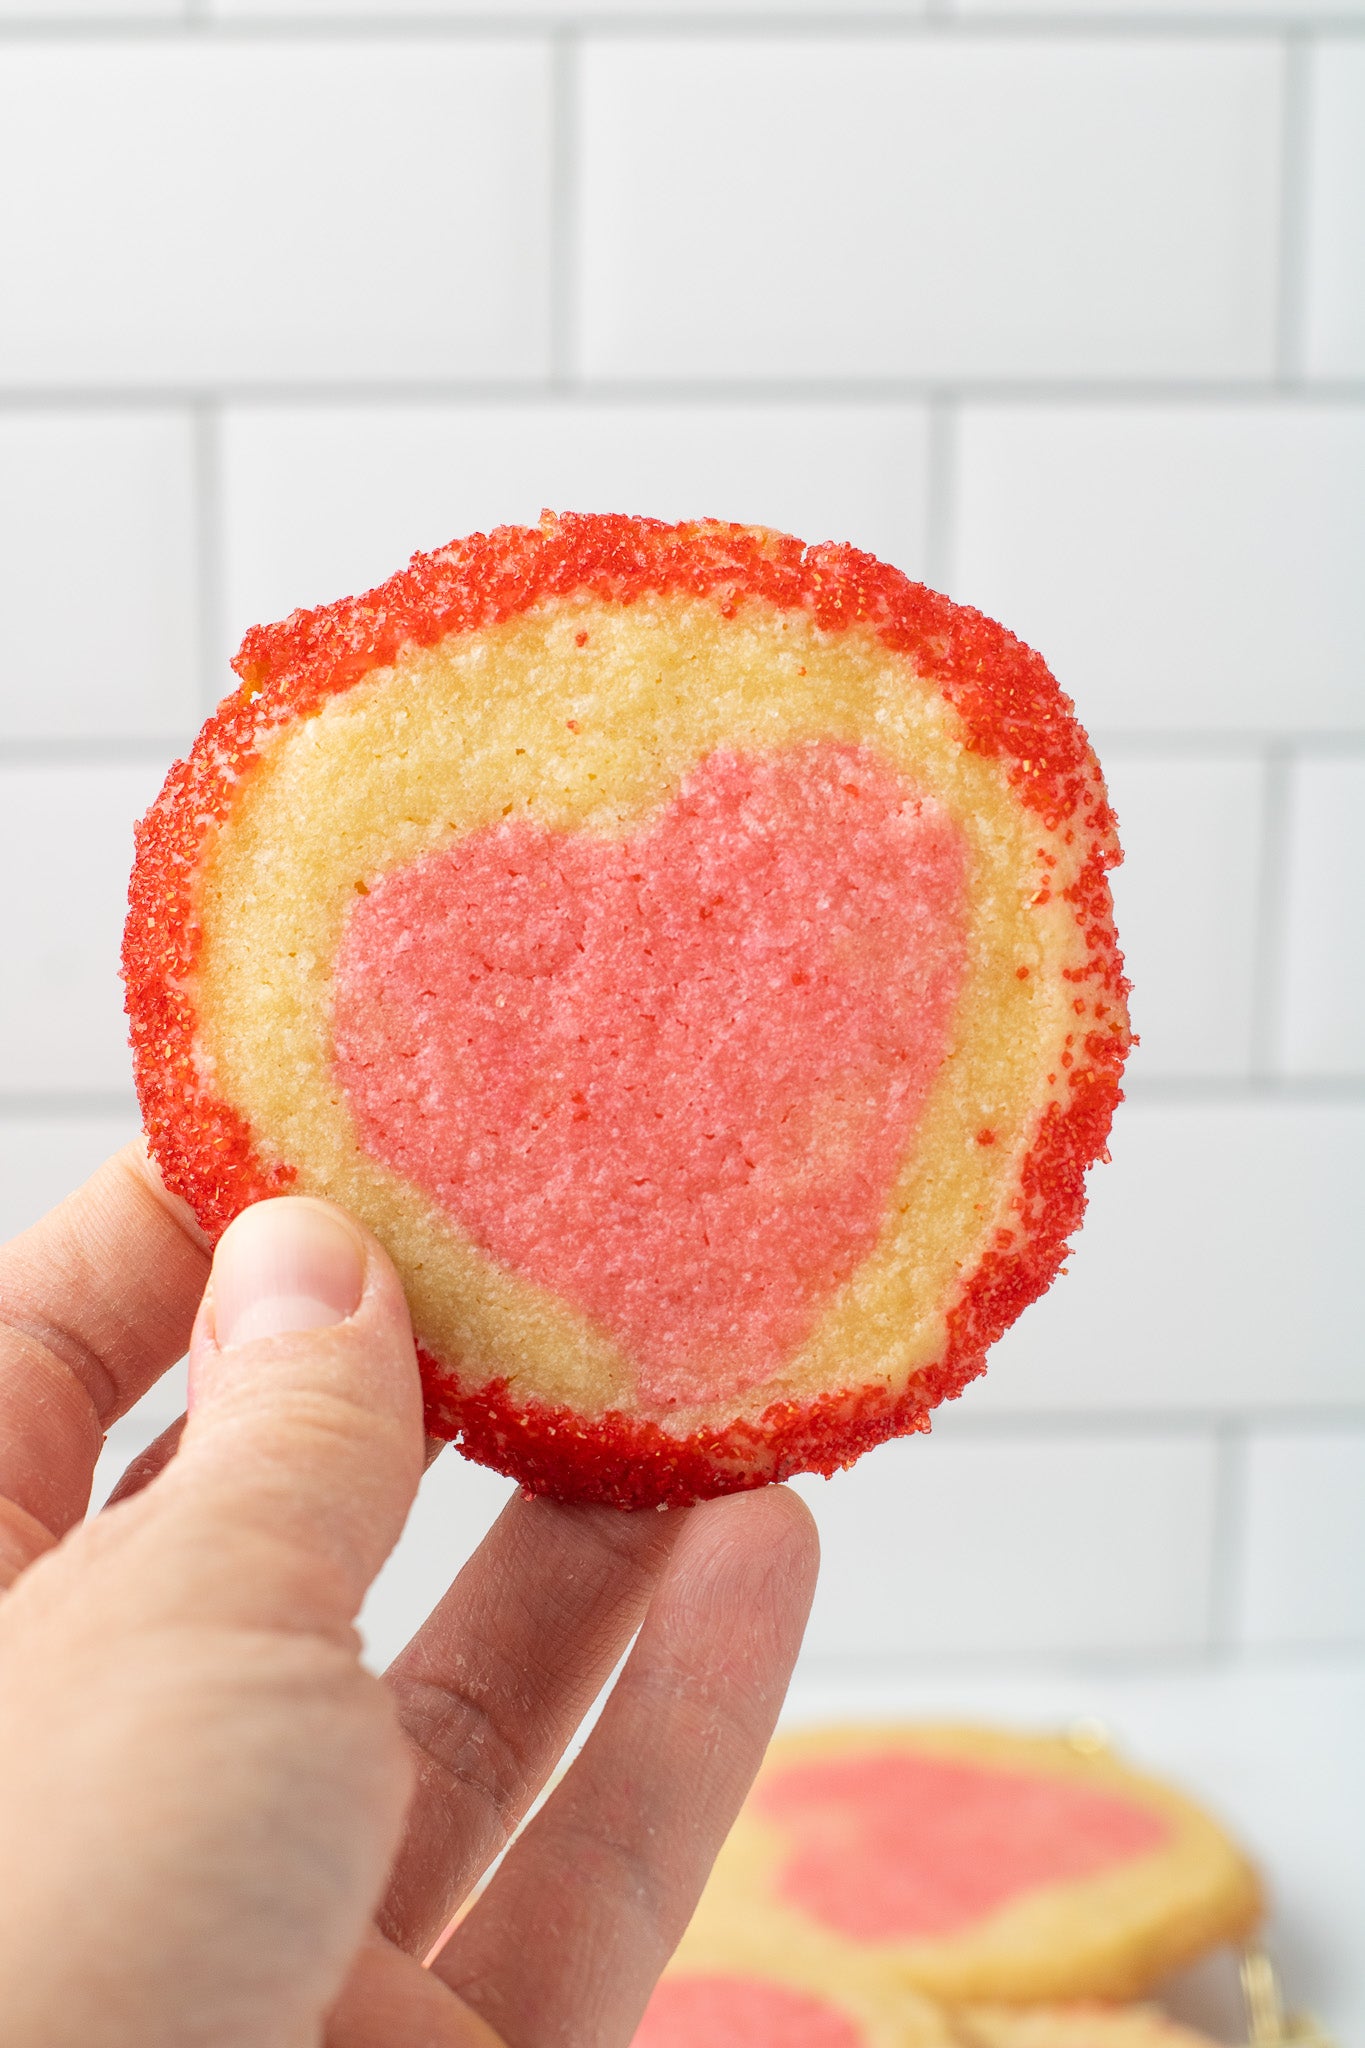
(952, 1884)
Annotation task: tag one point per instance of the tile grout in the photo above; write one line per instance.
(112, 751)
(1228, 1548)
(1291, 307)
(937, 20)
(564, 232)
(844, 390)
(1235, 745)
(1209, 1090)
(1140, 1425)
(1072, 1661)
(1171, 1091)
(65, 1105)
(209, 553)
(1271, 933)
(1234, 742)
(940, 492)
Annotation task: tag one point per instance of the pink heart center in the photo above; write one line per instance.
(887, 1848)
(672, 1076)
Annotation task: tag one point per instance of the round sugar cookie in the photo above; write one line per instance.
(690, 953)
(973, 1866)
(1073, 2026)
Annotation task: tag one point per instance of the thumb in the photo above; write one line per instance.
(303, 1447)
(185, 1727)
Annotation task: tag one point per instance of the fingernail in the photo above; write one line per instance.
(284, 1265)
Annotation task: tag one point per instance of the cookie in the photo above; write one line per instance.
(689, 952)
(708, 1999)
(973, 1866)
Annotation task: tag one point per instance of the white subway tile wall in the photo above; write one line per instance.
(1186, 899)
(1187, 567)
(46, 1156)
(66, 843)
(904, 1541)
(1322, 986)
(1218, 1273)
(307, 210)
(1334, 316)
(1058, 303)
(855, 207)
(328, 498)
(1304, 1510)
(102, 505)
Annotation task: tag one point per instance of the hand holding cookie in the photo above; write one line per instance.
(205, 1797)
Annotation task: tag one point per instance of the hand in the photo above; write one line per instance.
(215, 1827)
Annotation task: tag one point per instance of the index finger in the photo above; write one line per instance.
(96, 1301)
(609, 1871)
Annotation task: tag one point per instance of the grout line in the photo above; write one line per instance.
(849, 1670)
(1232, 744)
(1126, 1426)
(1076, 1663)
(854, 391)
(80, 748)
(1235, 746)
(1229, 1535)
(1187, 23)
(1209, 1090)
(1272, 920)
(935, 19)
(1291, 307)
(51, 1103)
(84, 751)
(941, 492)
(1130, 1425)
(209, 551)
(564, 222)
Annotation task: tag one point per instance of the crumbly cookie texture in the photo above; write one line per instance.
(972, 1866)
(690, 952)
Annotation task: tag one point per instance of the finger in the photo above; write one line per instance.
(493, 1685)
(303, 1447)
(609, 1871)
(143, 1469)
(390, 1998)
(96, 1301)
(195, 1666)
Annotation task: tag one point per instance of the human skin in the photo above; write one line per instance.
(216, 1828)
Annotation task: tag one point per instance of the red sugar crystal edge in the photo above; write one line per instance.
(1012, 710)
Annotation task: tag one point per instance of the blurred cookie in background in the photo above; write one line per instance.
(1075, 2026)
(973, 1865)
(712, 1996)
